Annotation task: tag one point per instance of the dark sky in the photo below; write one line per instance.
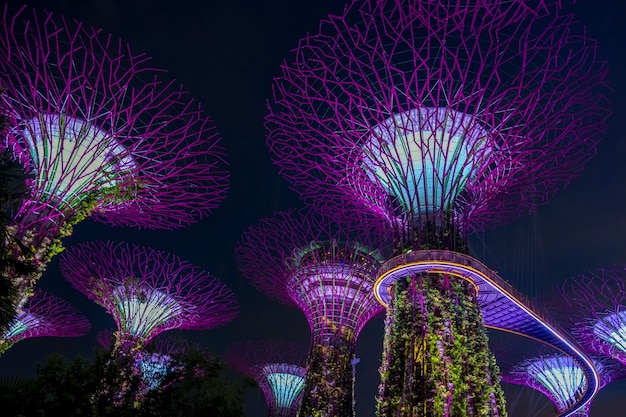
(226, 54)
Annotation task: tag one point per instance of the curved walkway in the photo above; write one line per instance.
(503, 307)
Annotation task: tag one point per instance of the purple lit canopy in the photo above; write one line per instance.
(594, 304)
(469, 112)
(559, 377)
(279, 369)
(325, 268)
(147, 291)
(96, 123)
(44, 315)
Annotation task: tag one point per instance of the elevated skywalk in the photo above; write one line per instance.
(503, 307)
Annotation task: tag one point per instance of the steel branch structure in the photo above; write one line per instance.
(44, 315)
(594, 306)
(103, 133)
(560, 378)
(327, 269)
(146, 291)
(279, 369)
(441, 118)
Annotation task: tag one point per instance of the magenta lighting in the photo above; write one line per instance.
(103, 133)
(440, 118)
(594, 304)
(327, 270)
(44, 315)
(560, 378)
(429, 111)
(278, 368)
(147, 291)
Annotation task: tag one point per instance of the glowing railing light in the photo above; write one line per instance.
(72, 156)
(424, 156)
(427, 260)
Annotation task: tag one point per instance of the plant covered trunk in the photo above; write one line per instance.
(328, 389)
(436, 361)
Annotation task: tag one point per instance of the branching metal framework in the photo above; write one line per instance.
(279, 369)
(45, 315)
(561, 379)
(441, 118)
(147, 291)
(102, 132)
(327, 269)
(594, 305)
(438, 111)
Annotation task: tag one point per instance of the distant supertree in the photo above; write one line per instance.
(279, 369)
(560, 378)
(594, 306)
(146, 291)
(328, 270)
(442, 118)
(44, 315)
(103, 134)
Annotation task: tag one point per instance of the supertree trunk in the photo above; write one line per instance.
(436, 358)
(436, 361)
(328, 389)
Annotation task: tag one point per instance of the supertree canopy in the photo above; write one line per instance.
(279, 369)
(441, 118)
(559, 378)
(102, 133)
(44, 315)
(594, 305)
(146, 291)
(327, 269)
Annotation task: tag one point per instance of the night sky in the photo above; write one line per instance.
(225, 54)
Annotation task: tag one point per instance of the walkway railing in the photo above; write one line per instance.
(503, 307)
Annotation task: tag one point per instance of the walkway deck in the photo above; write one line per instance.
(503, 307)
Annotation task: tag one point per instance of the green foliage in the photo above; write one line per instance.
(329, 379)
(107, 387)
(436, 360)
(26, 255)
(13, 190)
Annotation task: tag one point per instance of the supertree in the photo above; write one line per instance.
(277, 366)
(103, 134)
(146, 291)
(44, 315)
(442, 118)
(594, 306)
(327, 269)
(559, 377)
